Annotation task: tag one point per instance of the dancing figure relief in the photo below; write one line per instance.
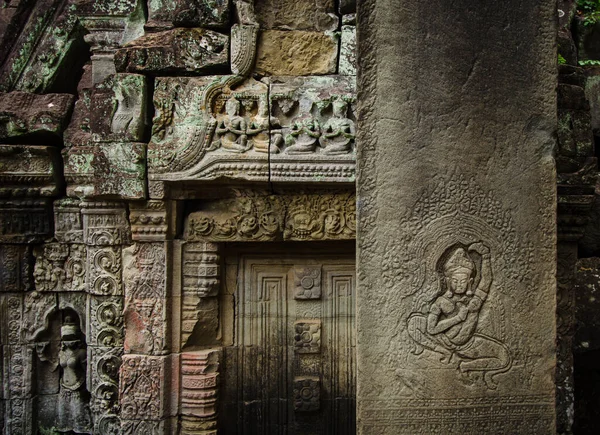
(448, 325)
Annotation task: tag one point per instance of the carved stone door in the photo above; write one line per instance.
(293, 359)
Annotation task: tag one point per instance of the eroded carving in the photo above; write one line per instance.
(140, 387)
(447, 325)
(145, 298)
(307, 337)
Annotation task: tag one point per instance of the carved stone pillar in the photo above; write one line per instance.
(199, 391)
(456, 217)
(199, 302)
(105, 232)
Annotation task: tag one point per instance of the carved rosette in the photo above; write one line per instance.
(276, 217)
(199, 391)
(307, 336)
(308, 282)
(307, 393)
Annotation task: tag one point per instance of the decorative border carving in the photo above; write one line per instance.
(275, 217)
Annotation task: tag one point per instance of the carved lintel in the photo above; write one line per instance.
(199, 390)
(328, 216)
(230, 127)
(27, 170)
(150, 221)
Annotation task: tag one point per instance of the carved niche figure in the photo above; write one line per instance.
(73, 400)
(450, 325)
(263, 138)
(338, 132)
(232, 128)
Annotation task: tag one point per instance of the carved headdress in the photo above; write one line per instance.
(69, 329)
(459, 261)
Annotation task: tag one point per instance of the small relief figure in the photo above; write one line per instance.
(304, 136)
(338, 132)
(232, 129)
(259, 130)
(449, 328)
(73, 400)
(123, 109)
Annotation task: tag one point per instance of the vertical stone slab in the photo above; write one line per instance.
(457, 229)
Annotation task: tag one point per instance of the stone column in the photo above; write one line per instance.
(457, 217)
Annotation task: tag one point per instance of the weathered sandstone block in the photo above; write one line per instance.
(298, 53)
(26, 115)
(176, 51)
(163, 14)
(314, 15)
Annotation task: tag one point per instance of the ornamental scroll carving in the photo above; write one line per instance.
(278, 128)
(275, 217)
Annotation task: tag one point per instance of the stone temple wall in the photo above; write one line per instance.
(144, 142)
(138, 140)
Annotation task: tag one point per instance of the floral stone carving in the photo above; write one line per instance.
(308, 282)
(307, 392)
(275, 217)
(307, 337)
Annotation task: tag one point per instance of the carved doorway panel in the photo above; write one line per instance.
(293, 359)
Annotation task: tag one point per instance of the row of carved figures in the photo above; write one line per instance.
(264, 133)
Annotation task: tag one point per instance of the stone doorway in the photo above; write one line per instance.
(291, 366)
